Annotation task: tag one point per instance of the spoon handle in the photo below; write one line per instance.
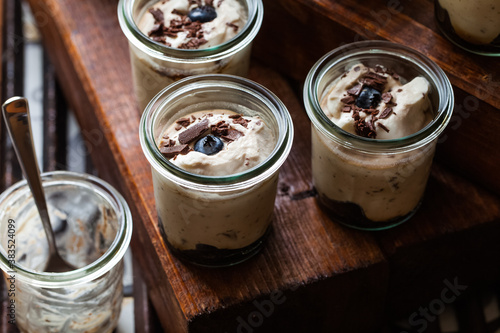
(17, 119)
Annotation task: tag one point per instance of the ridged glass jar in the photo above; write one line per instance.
(93, 228)
(369, 183)
(154, 65)
(215, 220)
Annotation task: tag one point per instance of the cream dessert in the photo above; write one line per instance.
(476, 22)
(182, 36)
(217, 142)
(200, 24)
(204, 224)
(367, 188)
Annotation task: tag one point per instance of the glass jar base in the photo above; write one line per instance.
(351, 215)
(211, 256)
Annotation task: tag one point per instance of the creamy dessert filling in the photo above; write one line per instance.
(217, 142)
(477, 22)
(199, 24)
(373, 103)
(381, 187)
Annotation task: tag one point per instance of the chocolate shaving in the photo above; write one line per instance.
(169, 143)
(346, 108)
(382, 126)
(374, 80)
(363, 129)
(386, 97)
(184, 122)
(356, 69)
(242, 121)
(232, 134)
(356, 90)
(232, 25)
(194, 132)
(386, 113)
(348, 99)
(234, 116)
(193, 43)
(220, 129)
(170, 152)
(157, 14)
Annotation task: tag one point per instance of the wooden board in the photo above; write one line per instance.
(317, 275)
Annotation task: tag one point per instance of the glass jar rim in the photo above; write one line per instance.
(99, 267)
(378, 48)
(214, 53)
(219, 183)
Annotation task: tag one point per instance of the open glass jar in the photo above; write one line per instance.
(155, 65)
(93, 227)
(370, 183)
(472, 25)
(215, 220)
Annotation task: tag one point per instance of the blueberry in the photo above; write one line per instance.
(368, 98)
(209, 145)
(202, 14)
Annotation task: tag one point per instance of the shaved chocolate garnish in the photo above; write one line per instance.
(178, 127)
(374, 80)
(346, 108)
(355, 90)
(194, 132)
(232, 134)
(363, 129)
(209, 2)
(348, 99)
(386, 113)
(168, 143)
(170, 151)
(232, 25)
(242, 121)
(356, 69)
(382, 126)
(234, 116)
(386, 97)
(395, 76)
(157, 14)
(400, 90)
(184, 122)
(193, 43)
(220, 129)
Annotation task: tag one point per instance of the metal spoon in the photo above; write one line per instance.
(17, 119)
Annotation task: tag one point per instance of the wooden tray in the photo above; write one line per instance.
(313, 274)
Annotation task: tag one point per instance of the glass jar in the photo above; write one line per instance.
(215, 220)
(155, 65)
(93, 226)
(370, 183)
(472, 25)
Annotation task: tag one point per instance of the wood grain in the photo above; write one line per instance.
(318, 275)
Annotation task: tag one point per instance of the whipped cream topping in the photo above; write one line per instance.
(167, 22)
(247, 142)
(403, 108)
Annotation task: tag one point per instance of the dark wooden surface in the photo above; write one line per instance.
(329, 276)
